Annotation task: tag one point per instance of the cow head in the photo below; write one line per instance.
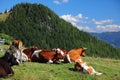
(83, 52)
(17, 43)
(12, 49)
(10, 58)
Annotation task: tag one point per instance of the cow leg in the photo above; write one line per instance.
(2, 72)
(24, 57)
(56, 61)
(78, 67)
(21, 56)
(50, 62)
(95, 72)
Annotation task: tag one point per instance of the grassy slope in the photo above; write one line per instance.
(39, 71)
(4, 16)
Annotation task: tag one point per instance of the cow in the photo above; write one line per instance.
(74, 55)
(30, 51)
(17, 48)
(18, 44)
(82, 66)
(48, 56)
(61, 56)
(6, 62)
(22, 57)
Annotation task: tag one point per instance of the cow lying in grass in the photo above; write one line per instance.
(48, 56)
(6, 62)
(82, 66)
(17, 50)
(20, 55)
(75, 55)
(29, 52)
(36, 55)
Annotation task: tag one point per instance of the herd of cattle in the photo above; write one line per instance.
(16, 54)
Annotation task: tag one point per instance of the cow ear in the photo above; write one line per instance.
(84, 48)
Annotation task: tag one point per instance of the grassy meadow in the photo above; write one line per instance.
(40, 71)
(4, 16)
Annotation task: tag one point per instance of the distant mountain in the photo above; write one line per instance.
(112, 38)
(36, 24)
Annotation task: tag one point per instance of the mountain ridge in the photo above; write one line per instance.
(112, 38)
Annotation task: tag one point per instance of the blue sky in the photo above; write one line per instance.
(88, 15)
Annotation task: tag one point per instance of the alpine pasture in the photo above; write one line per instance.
(42, 71)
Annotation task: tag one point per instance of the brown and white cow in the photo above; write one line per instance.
(75, 54)
(82, 66)
(30, 51)
(18, 44)
(48, 56)
(17, 50)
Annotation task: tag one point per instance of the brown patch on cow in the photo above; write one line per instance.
(17, 43)
(75, 54)
(46, 55)
(29, 52)
(89, 70)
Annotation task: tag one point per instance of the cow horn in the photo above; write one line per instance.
(84, 48)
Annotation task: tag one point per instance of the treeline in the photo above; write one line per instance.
(36, 24)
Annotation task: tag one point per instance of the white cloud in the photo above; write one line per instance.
(78, 19)
(101, 26)
(109, 28)
(79, 16)
(65, 1)
(56, 2)
(74, 19)
(69, 18)
(86, 17)
(60, 2)
(102, 21)
(85, 28)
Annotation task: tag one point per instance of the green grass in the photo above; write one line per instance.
(4, 16)
(4, 47)
(39, 71)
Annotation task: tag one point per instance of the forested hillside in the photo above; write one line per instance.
(37, 25)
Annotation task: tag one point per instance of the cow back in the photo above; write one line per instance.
(46, 55)
(29, 52)
(75, 54)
